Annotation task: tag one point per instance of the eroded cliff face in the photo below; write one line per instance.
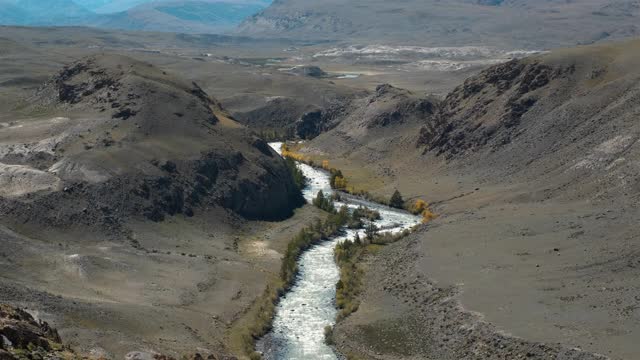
(127, 139)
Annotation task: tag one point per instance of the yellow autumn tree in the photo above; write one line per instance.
(340, 182)
(427, 216)
(325, 164)
(419, 206)
(288, 153)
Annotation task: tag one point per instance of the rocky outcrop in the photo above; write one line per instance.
(22, 337)
(488, 108)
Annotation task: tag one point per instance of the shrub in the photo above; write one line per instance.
(328, 335)
(371, 231)
(418, 207)
(389, 238)
(325, 164)
(364, 212)
(427, 216)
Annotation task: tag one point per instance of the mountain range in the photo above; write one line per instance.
(191, 16)
(508, 23)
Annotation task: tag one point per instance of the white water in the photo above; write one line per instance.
(309, 306)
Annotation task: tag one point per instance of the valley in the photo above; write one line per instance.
(147, 211)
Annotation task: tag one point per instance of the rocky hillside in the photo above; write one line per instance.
(570, 115)
(122, 138)
(373, 122)
(509, 24)
(22, 337)
(567, 115)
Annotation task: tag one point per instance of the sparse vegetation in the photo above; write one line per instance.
(348, 256)
(262, 312)
(388, 238)
(338, 181)
(349, 286)
(287, 152)
(270, 135)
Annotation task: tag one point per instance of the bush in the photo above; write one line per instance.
(328, 335)
(418, 207)
(366, 213)
(389, 238)
(371, 231)
(427, 216)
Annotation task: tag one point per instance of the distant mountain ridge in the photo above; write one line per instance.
(189, 16)
(110, 6)
(502, 23)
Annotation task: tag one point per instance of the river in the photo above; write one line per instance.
(309, 306)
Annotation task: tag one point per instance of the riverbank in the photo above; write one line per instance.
(535, 247)
(406, 315)
(309, 306)
(179, 292)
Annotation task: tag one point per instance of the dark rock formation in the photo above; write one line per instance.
(23, 337)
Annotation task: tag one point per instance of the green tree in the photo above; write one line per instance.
(396, 200)
(324, 202)
(371, 231)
